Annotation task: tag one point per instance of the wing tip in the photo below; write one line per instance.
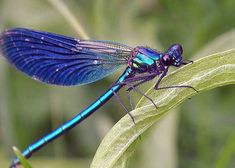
(7, 33)
(3, 37)
(2, 34)
(10, 31)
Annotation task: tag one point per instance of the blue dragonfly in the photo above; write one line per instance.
(61, 60)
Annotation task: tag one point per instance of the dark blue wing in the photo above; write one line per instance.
(61, 60)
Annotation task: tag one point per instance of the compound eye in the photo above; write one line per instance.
(167, 60)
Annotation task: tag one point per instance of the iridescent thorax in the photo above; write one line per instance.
(146, 60)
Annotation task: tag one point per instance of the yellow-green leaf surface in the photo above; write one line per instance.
(206, 73)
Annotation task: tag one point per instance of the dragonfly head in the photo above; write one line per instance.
(173, 56)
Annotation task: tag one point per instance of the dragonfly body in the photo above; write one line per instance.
(61, 60)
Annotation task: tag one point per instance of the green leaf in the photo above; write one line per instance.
(204, 74)
(23, 160)
(227, 153)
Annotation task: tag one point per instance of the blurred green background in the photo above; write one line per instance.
(199, 133)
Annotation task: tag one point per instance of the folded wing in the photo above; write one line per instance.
(61, 60)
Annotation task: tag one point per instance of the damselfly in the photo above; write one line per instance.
(60, 60)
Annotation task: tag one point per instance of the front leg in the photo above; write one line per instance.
(160, 78)
(169, 87)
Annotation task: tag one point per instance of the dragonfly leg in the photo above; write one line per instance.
(129, 89)
(180, 86)
(139, 83)
(187, 62)
(141, 80)
(169, 87)
(160, 78)
(140, 92)
(122, 104)
(129, 99)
